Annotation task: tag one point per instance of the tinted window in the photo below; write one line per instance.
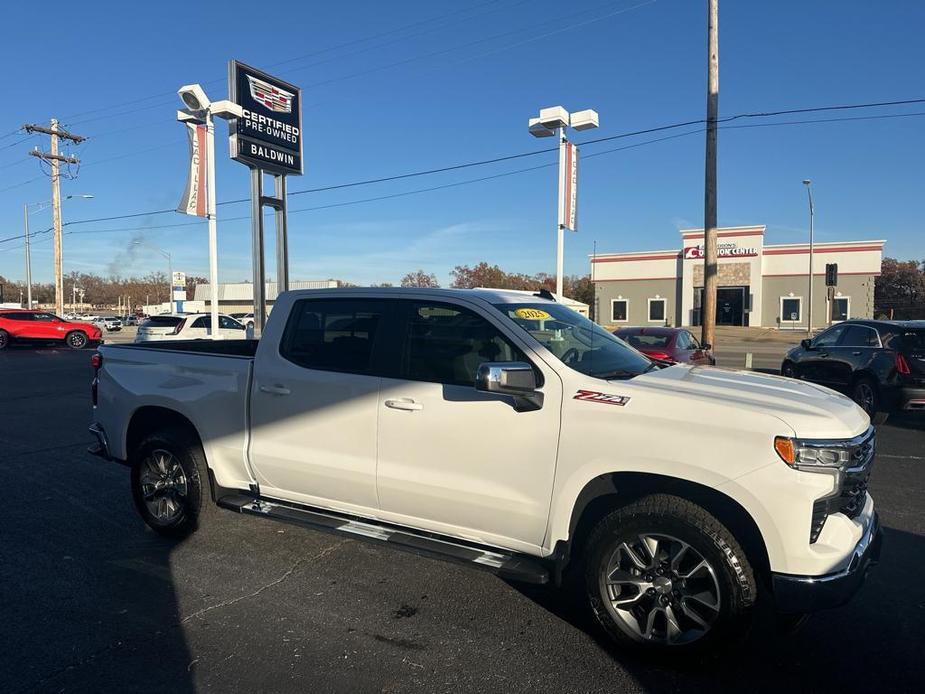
(619, 310)
(45, 317)
(200, 323)
(163, 321)
(683, 340)
(226, 323)
(642, 341)
(860, 336)
(657, 310)
(790, 309)
(829, 337)
(333, 335)
(446, 344)
(17, 316)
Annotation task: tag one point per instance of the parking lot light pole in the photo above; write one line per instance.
(812, 213)
(556, 121)
(201, 109)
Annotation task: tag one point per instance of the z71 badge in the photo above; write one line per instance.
(605, 398)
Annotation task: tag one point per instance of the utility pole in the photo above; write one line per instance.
(708, 307)
(54, 159)
(28, 258)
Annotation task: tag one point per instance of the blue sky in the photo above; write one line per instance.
(445, 83)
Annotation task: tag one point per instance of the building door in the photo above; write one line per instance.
(730, 306)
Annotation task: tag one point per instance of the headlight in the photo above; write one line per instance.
(817, 455)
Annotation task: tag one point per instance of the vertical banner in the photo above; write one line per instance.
(568, 186)
(194, 200)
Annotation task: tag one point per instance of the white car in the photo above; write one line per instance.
(512, 434)
(110, 323)
(188, 326)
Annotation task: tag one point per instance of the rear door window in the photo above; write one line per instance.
(334, 334)
(829, 338)
(163, 322)
(860, 336)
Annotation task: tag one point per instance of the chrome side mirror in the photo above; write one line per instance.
(514, 378)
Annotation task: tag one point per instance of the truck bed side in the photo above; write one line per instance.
(210, 390)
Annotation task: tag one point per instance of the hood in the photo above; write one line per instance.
(812, 411)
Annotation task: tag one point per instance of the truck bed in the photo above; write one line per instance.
(225, 348)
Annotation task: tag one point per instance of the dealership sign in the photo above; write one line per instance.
(268, 136)
(724, 250)
(568, 186)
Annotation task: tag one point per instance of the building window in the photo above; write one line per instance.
(657, 309)
(840, 306)
(791, 309)
(619, 310)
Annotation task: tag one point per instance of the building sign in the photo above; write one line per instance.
(568, 187)
(269, 134)
(724, 250)
(178, 286)
(194, 196)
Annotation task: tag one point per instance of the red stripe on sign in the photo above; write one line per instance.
(568, 184)
(203, 188)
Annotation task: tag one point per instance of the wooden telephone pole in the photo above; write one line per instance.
(708, 305)
(54, 160)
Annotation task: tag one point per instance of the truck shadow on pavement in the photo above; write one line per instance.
(871, 644)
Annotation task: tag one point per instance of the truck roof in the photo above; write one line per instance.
(495, 296)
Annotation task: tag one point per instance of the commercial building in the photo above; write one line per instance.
(238, 297)
(759, 285)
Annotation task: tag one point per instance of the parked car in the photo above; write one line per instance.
(110, 323)
(673, 345)
(129, 320)
(23, 325)
(188, 326)
(880, 364)
(511, 434)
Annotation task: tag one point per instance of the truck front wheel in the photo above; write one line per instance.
(663, 574)
(170, 482)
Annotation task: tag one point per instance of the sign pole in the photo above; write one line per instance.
(257, 249)
(282, 237)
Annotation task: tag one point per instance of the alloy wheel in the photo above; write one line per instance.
(76, 340)
(164, 486)
(661, 590)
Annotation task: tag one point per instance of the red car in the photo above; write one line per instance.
(668, 344)
(39, 326)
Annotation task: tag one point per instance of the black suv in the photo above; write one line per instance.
(879, 363)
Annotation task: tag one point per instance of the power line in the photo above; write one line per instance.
(543, 151)
(287, 61)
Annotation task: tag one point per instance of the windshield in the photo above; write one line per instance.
(579, 343)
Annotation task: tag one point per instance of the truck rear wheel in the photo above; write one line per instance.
(663, 574)
(170, 482)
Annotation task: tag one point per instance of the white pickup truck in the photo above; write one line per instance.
(507, 431)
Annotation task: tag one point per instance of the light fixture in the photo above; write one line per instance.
(194, 97)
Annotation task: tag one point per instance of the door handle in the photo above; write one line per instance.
(275, 390)
(404, 404)
(824, 355)
(856, 354)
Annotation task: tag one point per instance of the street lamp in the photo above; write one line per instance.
(200, 109)
(812, 213)
(555, 121)
(38, 207)
(169, 268)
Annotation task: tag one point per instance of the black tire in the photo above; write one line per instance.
(183, 494)
(76, 339)
(4, 339)
(786, 369)
(683, 532)
(866, 394)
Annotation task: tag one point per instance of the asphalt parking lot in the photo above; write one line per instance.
(93, 601)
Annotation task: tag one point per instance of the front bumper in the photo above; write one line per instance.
(794, 594)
